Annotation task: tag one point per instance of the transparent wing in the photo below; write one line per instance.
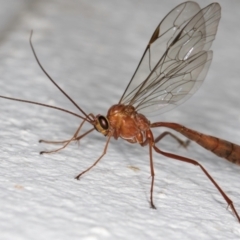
(176, 59)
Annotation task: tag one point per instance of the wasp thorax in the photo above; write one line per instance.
(102, 125)
(116, 109)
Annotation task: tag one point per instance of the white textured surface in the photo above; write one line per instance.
(92, 49)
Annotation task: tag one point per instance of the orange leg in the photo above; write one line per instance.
(67, 142)
(164, 134)
(191, 161)
(150, 141)
(95, 163)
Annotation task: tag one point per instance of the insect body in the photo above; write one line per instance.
(173, 66)
(120, 116)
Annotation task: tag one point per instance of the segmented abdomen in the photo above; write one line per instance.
(220, 147)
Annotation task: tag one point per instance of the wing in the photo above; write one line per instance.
(176, 59)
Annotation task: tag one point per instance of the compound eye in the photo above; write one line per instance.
(102, 125)
(103, 122)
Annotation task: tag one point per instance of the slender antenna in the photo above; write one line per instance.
(46, 105)
(40, 65)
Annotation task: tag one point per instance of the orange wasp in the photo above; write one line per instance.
(172, 68)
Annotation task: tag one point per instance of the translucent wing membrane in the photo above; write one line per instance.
(176, 59)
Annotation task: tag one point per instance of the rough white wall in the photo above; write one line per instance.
(91, 49)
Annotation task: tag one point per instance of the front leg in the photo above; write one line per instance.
(67, 142)
(95, 163)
